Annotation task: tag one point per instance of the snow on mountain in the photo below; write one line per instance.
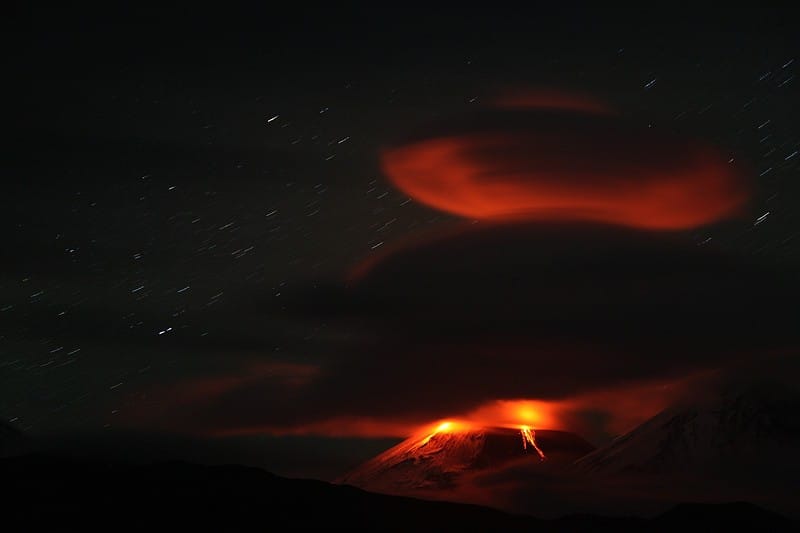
(437, 460)
(750, 427)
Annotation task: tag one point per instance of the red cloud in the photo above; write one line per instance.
(567, 164)
(551, 99)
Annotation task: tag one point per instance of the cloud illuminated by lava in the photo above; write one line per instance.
(208, 406)
(550, 99)
(516, 413)
(621, 409)
(562, 159)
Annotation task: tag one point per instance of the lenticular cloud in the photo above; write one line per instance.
(540, 161)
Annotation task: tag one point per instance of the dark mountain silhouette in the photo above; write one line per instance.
(736, 516)
(58, 494)
(735, 441)
(745, 429)
(12, 441)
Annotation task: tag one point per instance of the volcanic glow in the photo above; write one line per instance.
(516, 414)
(533, 178)
(444, 426)
(529, 438)
(551, 99)
(526, 432)
(563, 161)
(447, 426)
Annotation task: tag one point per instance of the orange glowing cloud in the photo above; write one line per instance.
(551, 99)
(620, 408)
(500, 413)
(516, 413)
(174, 406)
(338, 426)
(566, 162)
(208, 388)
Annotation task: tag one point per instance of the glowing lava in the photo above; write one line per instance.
(521, 408)
(444, 426)
(448, 426)
(515, 414)
(529, 437)
(446, 455)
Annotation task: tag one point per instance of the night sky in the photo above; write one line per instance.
(199, 242)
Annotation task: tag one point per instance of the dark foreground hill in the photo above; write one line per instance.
(57, 494)
(12, 441)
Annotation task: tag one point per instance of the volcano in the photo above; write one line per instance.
(735, 443)
(754, 428)
(437, 461)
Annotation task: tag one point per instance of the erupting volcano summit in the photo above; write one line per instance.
(438, 460)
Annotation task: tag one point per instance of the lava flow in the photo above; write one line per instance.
(529, 437)
(526, 432)
(447, 454)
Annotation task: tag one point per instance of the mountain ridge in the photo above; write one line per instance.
(746, 426)
(56, 493)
